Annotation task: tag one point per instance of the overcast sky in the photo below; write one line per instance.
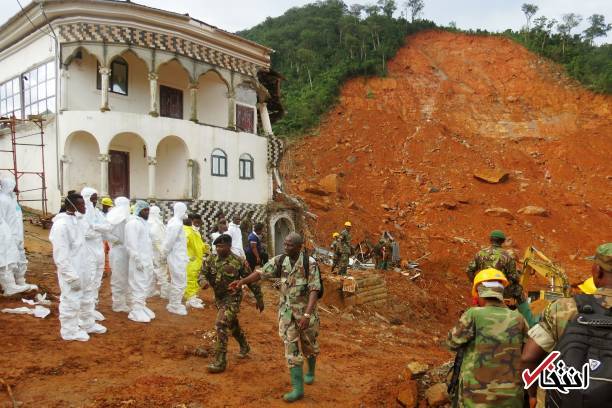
(493, 15)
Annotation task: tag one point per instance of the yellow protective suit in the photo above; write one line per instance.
(196, 250)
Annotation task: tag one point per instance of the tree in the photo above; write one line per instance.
(388, 7)
(570, 21)
(529, 10)
(598, 28)
(416, 8)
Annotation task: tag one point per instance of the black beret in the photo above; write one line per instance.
(223, 239)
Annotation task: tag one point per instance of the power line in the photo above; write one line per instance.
(37, 28)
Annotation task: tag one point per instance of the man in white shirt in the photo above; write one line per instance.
(236, 233)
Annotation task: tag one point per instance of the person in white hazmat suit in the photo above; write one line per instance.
(10, 212)
(94, 238)
(174, 250)
(158, 233)
(75, 278)
(119, 259)
(140, 249)
(9, 256)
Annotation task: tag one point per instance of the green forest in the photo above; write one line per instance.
(321, 45)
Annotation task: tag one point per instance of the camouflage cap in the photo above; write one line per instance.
(491, 289)
(603, 256)
(497, 234)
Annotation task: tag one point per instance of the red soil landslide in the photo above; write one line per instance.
(405, 149)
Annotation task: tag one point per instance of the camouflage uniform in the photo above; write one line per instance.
(335, 248)
(500, 259)
(384, 250)
(220, 273)
(490, 372)
(557, 315)
(294, 293)
(345, 251)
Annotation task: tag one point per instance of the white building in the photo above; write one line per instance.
(138, 102)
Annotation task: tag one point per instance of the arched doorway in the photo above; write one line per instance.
(81, 165)
(127, 169)
(172, 175)
(282, 227)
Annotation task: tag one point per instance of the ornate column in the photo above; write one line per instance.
(265, 118)
(152, 162)
(193, 93)
(153, 109)
(104, 160)
(231, 123)
(65, 160)
(104, 76)
(64, 76)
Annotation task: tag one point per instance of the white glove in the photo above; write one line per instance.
(75, 284)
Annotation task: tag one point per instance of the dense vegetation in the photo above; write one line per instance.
(321, 45)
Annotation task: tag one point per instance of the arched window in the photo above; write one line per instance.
(245, 166)
(218, 163)
(118, 80)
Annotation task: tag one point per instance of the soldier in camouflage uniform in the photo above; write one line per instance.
(219, 271)
(335, 249)
(345, 248)
(298, 320)
(492, 337)
(496, 257)
(544, 336)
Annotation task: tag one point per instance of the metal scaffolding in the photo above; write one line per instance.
(27, 139)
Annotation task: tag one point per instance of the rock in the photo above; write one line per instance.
(417, 368)
(353, 206)
(449, 205)
(329, 183)
(499, 212)
(534, 210)
(351, 159)
(492, 176)
(434, 190)
(436, 395)
(408, 394)
(316, 190)
(318, 205)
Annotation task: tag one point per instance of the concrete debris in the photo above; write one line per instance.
(408, 394)
(534, 210)
(499, 212)
(417, 368)
(492, 176)
(437, 395)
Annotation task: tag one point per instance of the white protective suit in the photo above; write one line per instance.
(160, 267)
(76, 282)
(140, 250)
(119, 259)
(13, 262)
(235, 232)
(99, 228)
(175, 248)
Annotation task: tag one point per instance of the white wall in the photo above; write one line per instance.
(171, 172)
(201, 140)
(82, 94)
(139, 176)
(84, 168)
(212, 100)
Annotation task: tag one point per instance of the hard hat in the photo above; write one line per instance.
(348, 224)
(588, 286)
(107, 201)
(335, 234)
(497, 234)
(489, 274)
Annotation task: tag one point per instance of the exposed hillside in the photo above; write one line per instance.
(405, 149)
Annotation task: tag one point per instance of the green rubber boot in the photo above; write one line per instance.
(525, 310)
(310, 375)
(218, 366)
(297, 382)
(244, 349)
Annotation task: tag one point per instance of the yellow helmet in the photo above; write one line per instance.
(588, 286)
(107, 201)
(335, 234)
(348, 224)
(489, 274)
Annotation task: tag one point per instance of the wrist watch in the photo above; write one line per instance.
(307, 315)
